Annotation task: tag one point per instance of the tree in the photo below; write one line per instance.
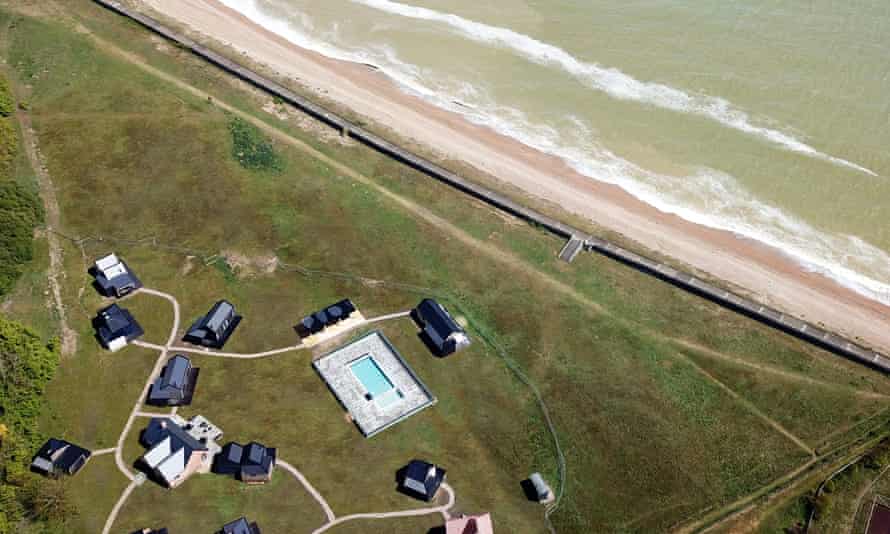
(26, 366)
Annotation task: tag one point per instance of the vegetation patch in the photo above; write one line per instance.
(649, 441)
(6, 100)
(251, 148)
(835, 507)
(19, 214)
(20, 209)
(27, 364)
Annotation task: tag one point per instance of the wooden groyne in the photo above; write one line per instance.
(769, 316)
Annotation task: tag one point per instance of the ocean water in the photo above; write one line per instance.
(769, 118)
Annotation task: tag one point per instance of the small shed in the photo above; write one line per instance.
(422, 479)
(439, 330)
(542, 490)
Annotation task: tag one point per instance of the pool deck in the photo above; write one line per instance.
(369, 416)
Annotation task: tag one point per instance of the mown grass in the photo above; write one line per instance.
(649, 441)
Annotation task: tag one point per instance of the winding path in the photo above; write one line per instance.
(109, 521)
(51, 207)
(443, 509)
(118, 451)
(273, 352)
(136, 412)
(312, 491)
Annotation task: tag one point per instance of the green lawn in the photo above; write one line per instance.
(649, 440)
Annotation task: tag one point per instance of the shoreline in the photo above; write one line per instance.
(773, 278)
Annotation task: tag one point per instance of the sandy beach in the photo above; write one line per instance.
(766, 273)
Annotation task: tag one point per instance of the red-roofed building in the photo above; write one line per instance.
(470, 524)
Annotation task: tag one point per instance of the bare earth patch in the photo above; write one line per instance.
(287, 113)
(247, 266)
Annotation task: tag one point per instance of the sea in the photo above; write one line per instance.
(768, 118)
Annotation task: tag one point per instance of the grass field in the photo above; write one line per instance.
(650, 440)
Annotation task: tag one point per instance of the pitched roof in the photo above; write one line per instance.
(436, 321)
(173, 466)
(218, 314)
(114, 322)
(423, 478)
(176, 373)
(59, 454)
(316, 322)
(170, 447)
(233, 452)
(240, 526)
(470, 524)
(160, 427)
(114, 318)
(110, 266)
(254, 453)
(114, 276)
(252, 460)
(158, 453)
(214, 328)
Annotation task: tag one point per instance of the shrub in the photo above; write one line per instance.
(27, 364)
(9, 147)
(251, 148)
(20, 212)
(7, 105)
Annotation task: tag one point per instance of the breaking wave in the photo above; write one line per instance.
(704, 196)
(610, 80)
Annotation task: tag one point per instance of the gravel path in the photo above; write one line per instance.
(117, 507)
(443, 509)
(312, 491)
(51, 207)
(159, 363)
(136, 412)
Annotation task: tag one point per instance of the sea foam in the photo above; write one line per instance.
(704, 196)
(611, 81)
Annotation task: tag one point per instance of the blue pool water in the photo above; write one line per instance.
(371, 376)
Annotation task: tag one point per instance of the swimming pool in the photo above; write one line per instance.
(374, 380)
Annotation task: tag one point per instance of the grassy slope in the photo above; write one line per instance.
(656, 440)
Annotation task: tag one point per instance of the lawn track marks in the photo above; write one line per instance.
(421, 212)
(50, 207)
(775, 425)
(413, 207)
(787, 375)
(806, 476)
(443, 225)
(713, 519)
(52, 214)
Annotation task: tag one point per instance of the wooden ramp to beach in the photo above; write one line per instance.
(578, 239)
(574, 246)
